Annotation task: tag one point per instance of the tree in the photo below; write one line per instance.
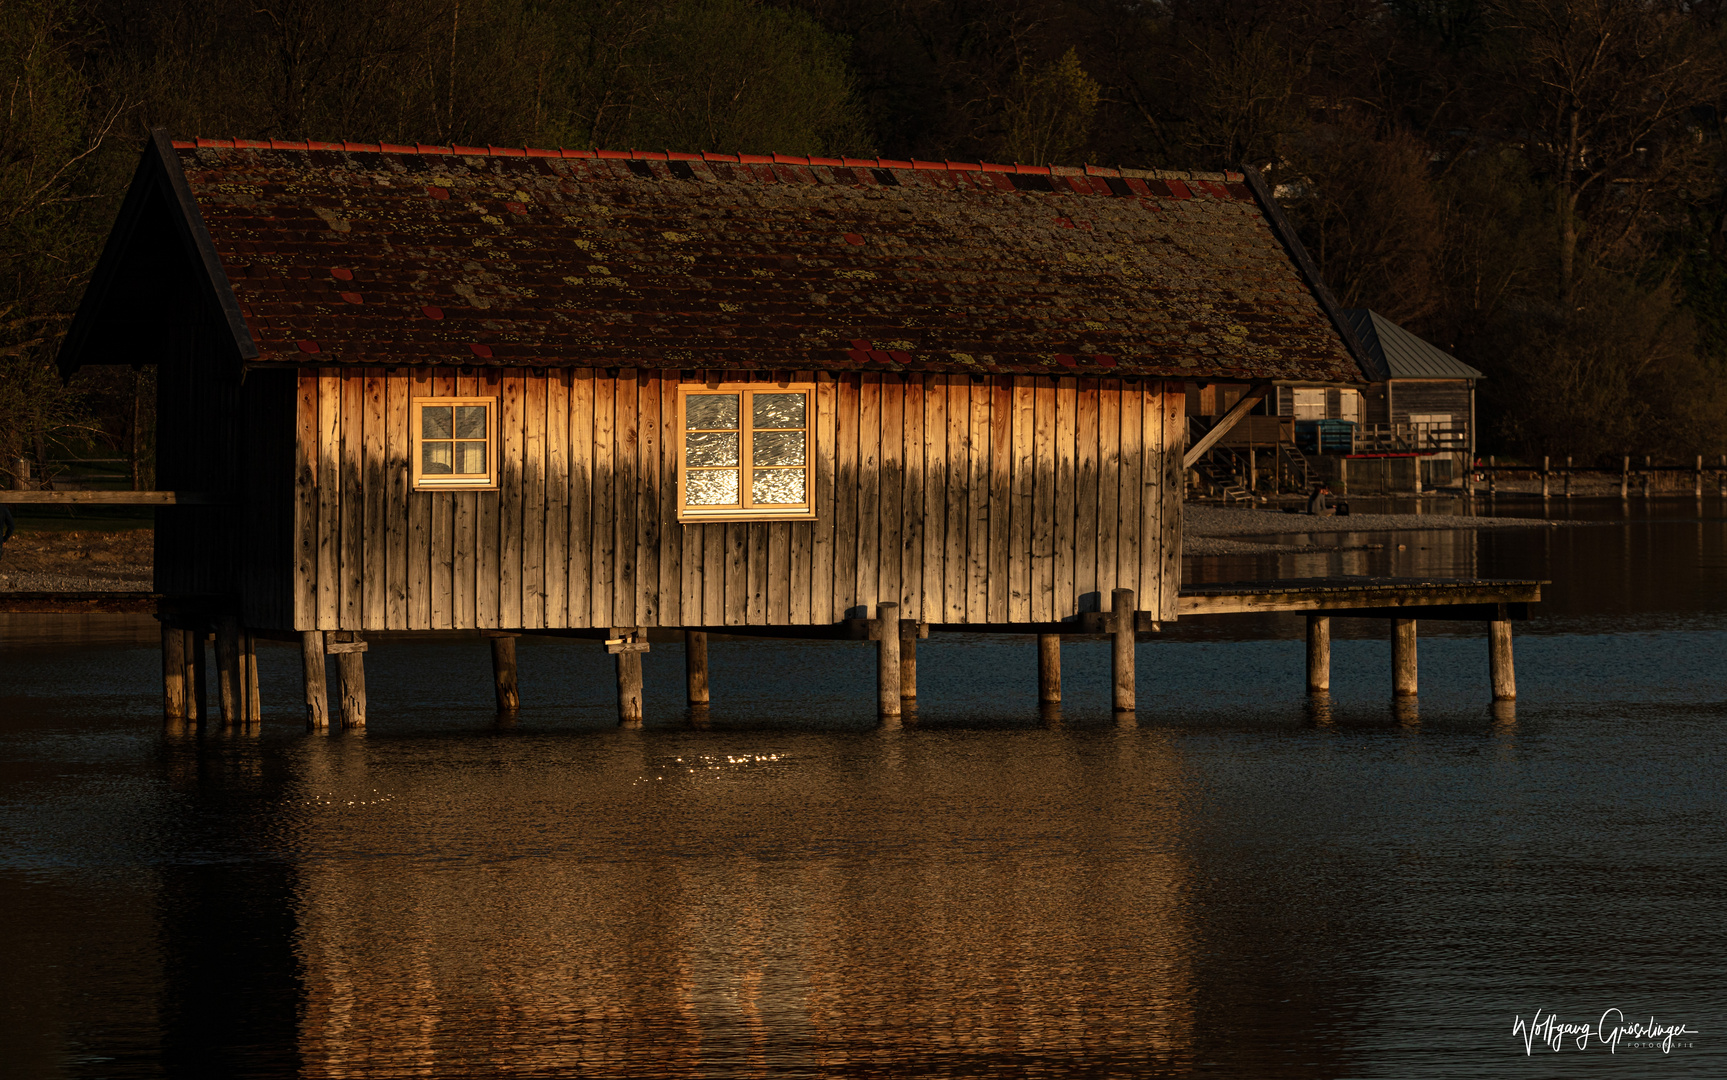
(1049, 112)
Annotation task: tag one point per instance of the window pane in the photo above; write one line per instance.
(777, 486)
(778, 410)
(710, 411)
(435, 422)
(471, 457)
(711, 448)
(777, 447)
(711, 487)
(435, 456)
(470, 421)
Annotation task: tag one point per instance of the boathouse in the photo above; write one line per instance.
(510, 390)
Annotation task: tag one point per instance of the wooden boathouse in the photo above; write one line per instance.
(503, 390)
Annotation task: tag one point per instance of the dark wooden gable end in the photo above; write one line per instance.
(996, 360)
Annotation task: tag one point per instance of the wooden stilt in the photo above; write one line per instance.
(628, 651)
(1121, 657)
(696, 666)
(908, 660)
(254, 709)
(1625, 478)
(1318, 654)
(504, 673)
(1049, 669)
(313, 675)
(887, 660)
(230, 676)
(1403, 666)
(198, 706)
(173, 674)
(1546, 477)
(351, 672)
(1499, 666)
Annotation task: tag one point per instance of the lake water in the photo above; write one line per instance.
(1238, 885)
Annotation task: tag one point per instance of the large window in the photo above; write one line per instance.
(745, 452)
(455, 443)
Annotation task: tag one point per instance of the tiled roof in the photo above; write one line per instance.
(392, 255)
(1400, 354)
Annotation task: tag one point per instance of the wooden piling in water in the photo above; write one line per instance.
(1625, 478)
(1121, 655)
(1699, 485)
(351, 673)
(887, 660)
(313, 677)
(908, 660)
(628, 653)
(504, 673)
(253, 709)
(173, 674)
(1499, 666)
(199, 706)
(696, 666)
(1648, 475)
(1546, 476)
(230, 672)
(1318, 654)
(1403, 664)
(1049, 669)
(1568, 476)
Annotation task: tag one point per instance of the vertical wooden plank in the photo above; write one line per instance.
(604, 543)
(671, 536)
(626, 433)
(999, 575)
(464, 540)
(397, 503)
(823, 446)
(1150, 494)
(1043, 472)
(892, 489)
(648, 500)
(534, 408)
(374, 558)
(756, 607)
(419, 530)
(1127, 547)
(692, 538)
(779, 573)
(911, 518)
(442, 552)
(934, 603)
(305, 502)
(580, 550)
(1022, 428)
(955, 570)
(1169, 519)
(737, 534)
(511, 429)
(977, 504)
(555, 464)
(1086, 446)
(848, 391)
(802, 537)
(353, 499)
(714, 561)
(329, 499)
(1108, 485)
(488, 521)
(869, 491)
(1063, 579)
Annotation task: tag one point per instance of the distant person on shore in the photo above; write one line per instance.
(1316, 503)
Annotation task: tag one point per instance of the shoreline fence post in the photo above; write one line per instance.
(1499, 666)
(1403, 662)
(1318, 654)
(504, 673)
(173, 674)
(696, 667)
(887, 660)
(315, 678)
(1121, 655)
(1048, 669)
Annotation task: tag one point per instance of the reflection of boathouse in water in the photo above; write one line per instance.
(606, 394)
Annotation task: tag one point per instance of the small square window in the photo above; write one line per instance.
(454, 443)
(745, 453)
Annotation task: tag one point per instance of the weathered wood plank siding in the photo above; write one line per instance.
(1010, 499)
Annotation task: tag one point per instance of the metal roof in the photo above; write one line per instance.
(327, 254)
(1400, 354)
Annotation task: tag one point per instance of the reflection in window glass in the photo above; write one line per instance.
(470, 457)
(435, 456)
(710, 411)
(435, 422)
(709, 448)
(776, 448)
(778, 410)
(708, 487)
(777, 486)
(470, 421)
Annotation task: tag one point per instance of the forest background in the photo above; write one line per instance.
(1537, 186)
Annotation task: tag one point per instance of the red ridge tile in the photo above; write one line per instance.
(679, 155)
(251, 144)
(613, 155)
(314, 144)
(890, 163)
(990, 166)
(755, 159)
(1035, 170)
(506, 151)
(858, 162)
(395, 148)
(536, 152)
(361, 147)
(568, 153)
(787, 159)
(828, 161)
(719, 157)
(284, 144)
(471, 151)
(182, 144)
(964, 166)
(916, 164)
(647, 155)
(426, 148)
